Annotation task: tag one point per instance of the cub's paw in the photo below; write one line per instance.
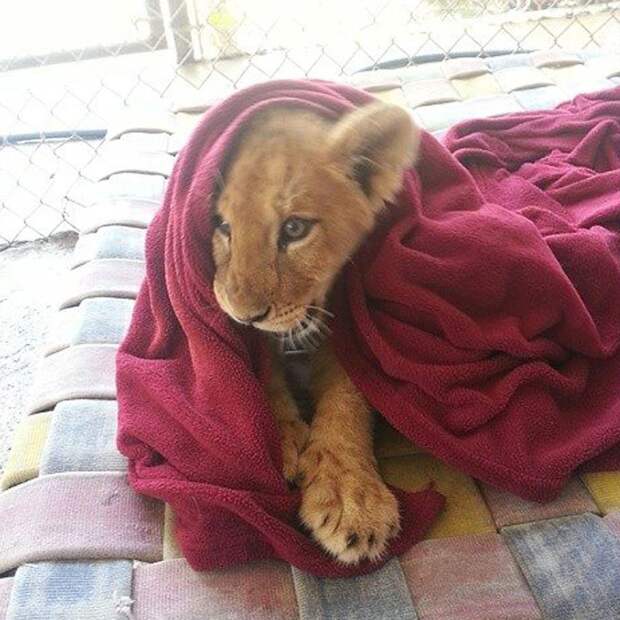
(350, 511)
(294, 435)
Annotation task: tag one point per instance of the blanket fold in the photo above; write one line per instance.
(481, 318)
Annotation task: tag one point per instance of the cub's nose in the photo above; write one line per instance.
(257, 318)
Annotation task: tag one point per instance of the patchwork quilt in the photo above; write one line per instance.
(77, 542)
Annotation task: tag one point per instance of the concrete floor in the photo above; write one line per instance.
(31, 280)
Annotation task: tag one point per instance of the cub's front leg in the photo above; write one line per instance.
(293, 430)
(345, 503)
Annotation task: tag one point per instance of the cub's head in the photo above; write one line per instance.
(299, 196)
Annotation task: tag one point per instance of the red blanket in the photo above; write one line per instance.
(482, 319)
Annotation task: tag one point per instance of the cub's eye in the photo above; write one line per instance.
(221, 225)
(294, 229)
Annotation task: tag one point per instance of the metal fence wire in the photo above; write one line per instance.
(68, 68)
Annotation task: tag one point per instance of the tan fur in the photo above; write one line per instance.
(339, 175)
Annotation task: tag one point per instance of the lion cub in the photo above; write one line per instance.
(299, 196)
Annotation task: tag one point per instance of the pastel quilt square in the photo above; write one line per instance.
(467, 578)
(465, 512)
(382, 594)
(28, 445)
(508, 509)
(171, 589)
(93, 590)
(604, 486)
(572, 565)
(83, 438)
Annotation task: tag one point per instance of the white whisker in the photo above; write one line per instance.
(311, 325)
(298, 332)
(321, 326)
(319, 309)
(314, 327)
(311, 337)
(374, 163)
(286, 340)
(304, 335)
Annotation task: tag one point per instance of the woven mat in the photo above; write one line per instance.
(76, 542)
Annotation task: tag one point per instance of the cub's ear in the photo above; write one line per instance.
(374, 145)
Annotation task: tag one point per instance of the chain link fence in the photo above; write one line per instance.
(69, 68)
